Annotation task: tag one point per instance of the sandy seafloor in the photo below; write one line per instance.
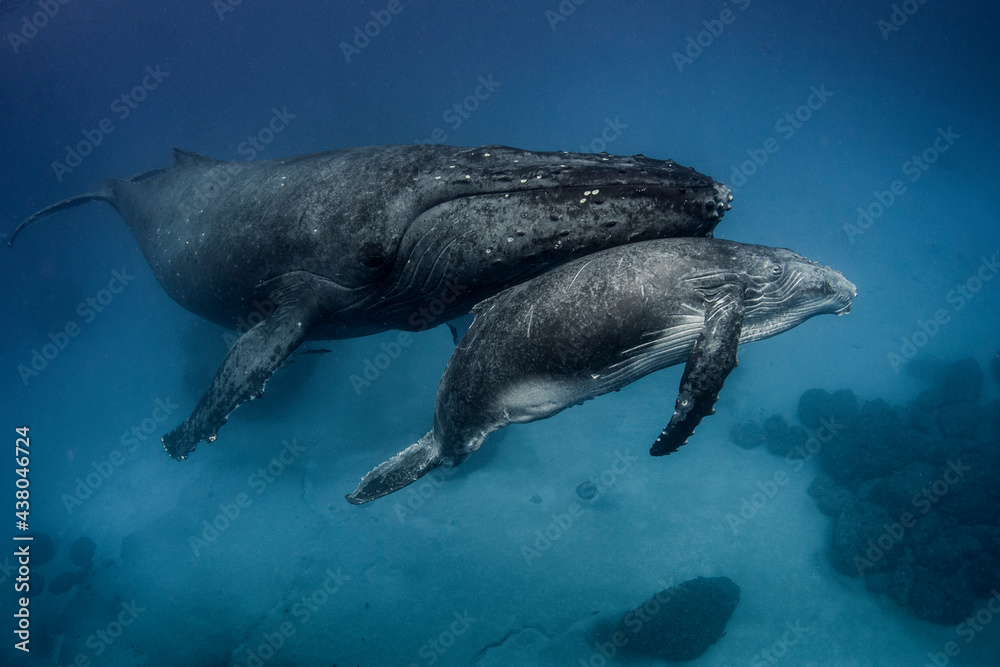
(403, 569)
(402, 575)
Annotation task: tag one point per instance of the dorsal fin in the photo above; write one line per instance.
(183, 158)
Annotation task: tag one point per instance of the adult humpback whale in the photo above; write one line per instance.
(352, 242)
(598, 323)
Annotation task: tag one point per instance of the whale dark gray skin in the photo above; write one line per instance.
(600, 322)
(356, 241)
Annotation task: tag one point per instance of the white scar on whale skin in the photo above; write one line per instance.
(578, 273)
(694, 309)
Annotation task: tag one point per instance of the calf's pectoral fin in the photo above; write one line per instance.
(709, 364)
(401, 470)
(250, 363)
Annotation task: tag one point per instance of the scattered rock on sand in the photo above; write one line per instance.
(42, 549)
(681, 622)
(748, 435)
(82, 552)
(62, 583)
(815, 405)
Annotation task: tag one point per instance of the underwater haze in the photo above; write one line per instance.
(860, 521)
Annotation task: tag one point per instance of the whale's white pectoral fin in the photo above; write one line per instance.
(709, 364)
(250, 363)
(401, 470)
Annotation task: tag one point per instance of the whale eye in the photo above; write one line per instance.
(372, 256)
(776, 270)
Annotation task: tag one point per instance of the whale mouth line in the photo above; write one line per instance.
(595, 189)
(848, 299)
(715, 198)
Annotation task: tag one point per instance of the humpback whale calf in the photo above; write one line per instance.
(352, 242)
(600, 322)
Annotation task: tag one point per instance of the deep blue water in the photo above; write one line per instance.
(897, 122)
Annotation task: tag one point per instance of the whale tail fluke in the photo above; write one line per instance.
(104, 193)
(401, 470)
